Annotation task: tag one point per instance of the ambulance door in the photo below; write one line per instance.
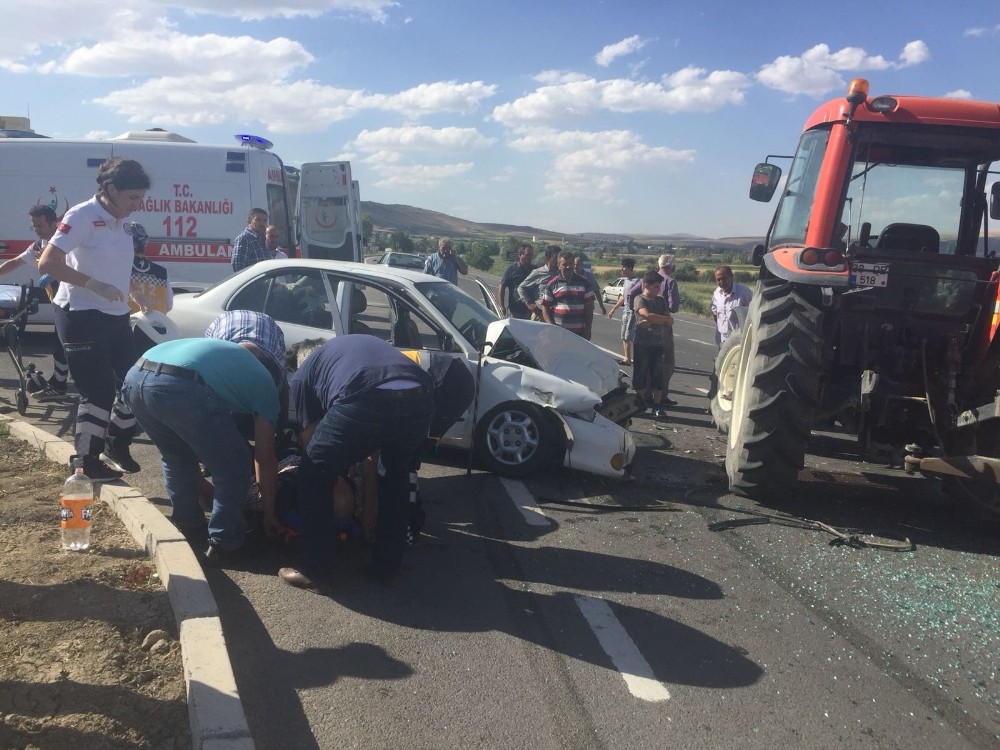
(324, 212)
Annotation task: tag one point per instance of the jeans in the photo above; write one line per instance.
(188, 423)
(375, 421)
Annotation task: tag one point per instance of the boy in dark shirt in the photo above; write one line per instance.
(652, 319)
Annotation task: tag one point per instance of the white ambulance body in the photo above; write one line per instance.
(198, 202)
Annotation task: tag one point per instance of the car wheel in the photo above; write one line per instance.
(515, 439)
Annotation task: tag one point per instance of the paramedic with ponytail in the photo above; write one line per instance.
(91, 255)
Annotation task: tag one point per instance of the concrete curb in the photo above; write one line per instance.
(215, 712)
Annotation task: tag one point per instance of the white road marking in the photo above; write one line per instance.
(525, 502)
(702, 390)
(705, 343)
(625, 655)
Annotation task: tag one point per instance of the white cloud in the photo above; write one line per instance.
(619, 49)
(441, 96)
(255, 10)
(97, 135)
(818, 70)
(959, 94)
(420, 176)
(592, 164)
(981, 31)
(421, 138)
(687, 90)
(914, 53)
(167, 53)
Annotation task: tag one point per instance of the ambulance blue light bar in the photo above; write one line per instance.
(254, 140)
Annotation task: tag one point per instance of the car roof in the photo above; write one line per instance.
(371, 270)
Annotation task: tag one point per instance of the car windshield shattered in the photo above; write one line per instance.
(468, 315)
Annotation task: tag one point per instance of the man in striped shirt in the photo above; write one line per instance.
(568, 301)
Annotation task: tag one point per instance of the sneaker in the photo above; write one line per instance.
(97, 470)
(119, 458)
(659, 411)
(56, 386)
(669, 402)
(47, 394)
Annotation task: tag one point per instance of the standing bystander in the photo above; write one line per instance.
(272, 240)
(628, 311)
(669, 292)
(249, 247)
(512, 277)
(588, 276)
(444, 263)
(531, 289)
(651, 330)
(568, 301)
(727, 296)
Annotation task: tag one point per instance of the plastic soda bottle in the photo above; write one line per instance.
(76, 502)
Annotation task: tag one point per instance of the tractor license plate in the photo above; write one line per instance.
(869, 274)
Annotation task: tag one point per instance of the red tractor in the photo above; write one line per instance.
(877, 301)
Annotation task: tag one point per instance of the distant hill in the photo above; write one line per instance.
(421, 221)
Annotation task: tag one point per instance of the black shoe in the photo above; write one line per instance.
(118, 457)
(97, 470)
(56, 386)
(669, 402)
(218, 557)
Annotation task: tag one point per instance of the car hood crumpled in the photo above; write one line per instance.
(560, 355)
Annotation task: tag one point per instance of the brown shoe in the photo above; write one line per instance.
(298, 579)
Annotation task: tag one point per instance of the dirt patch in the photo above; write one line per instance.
(74, 669)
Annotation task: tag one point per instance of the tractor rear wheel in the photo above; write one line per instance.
(776, 391)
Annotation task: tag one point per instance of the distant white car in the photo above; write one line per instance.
(614, 290)
(544, 394)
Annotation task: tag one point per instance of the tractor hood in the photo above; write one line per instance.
(558, 355)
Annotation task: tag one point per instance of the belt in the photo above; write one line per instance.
(178, 372)
(404, 393)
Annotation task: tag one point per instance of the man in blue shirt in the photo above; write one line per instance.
(445, 263)
(355, 395)
(249, 246)
(184, 393)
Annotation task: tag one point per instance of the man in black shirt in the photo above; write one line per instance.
(516, 273)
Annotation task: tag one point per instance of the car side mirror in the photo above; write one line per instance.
(995, 201)
(757, 255)
(764, 182)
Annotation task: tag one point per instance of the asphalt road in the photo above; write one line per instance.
(569, 611)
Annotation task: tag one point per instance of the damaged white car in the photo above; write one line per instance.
(544, 394)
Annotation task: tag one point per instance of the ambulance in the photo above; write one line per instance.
(197, 204)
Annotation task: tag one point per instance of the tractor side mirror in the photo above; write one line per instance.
(995, 201)
(764, 182)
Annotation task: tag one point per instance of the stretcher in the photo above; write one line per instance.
(16, 304)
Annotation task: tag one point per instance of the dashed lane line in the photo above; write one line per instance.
(525, 502)
(624, 654)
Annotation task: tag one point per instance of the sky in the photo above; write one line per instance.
(572, 116)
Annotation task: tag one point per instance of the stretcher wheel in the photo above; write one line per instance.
(22, 402)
